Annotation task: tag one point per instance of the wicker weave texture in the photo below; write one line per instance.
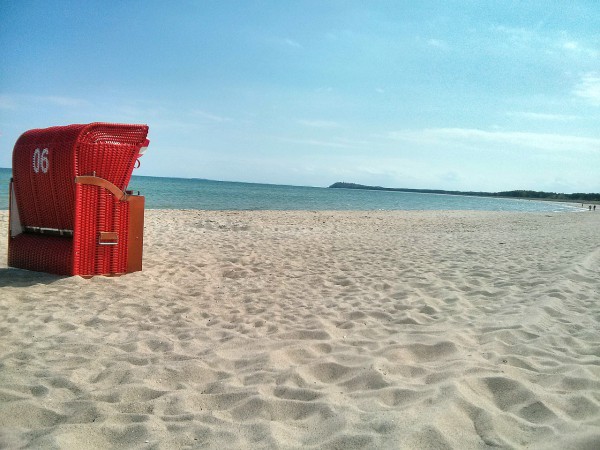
(100, 211)
(42, 253)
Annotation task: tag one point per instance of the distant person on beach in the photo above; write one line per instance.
(590, 207)
(594, 207)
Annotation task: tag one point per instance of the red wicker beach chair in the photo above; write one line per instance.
(70, 213)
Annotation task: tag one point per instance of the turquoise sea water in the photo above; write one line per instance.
(180, 193)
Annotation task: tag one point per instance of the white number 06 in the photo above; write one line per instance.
(40, 160)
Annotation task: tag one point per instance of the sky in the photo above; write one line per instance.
(457, 95)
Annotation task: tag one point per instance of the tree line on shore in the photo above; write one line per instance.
(577, 197)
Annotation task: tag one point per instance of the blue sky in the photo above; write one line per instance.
(470, 95)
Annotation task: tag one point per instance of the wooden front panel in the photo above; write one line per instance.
(135, 241)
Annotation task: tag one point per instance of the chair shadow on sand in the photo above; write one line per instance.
(10, 277)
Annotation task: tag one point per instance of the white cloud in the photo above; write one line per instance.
(68, 102)
(541, 116)
(292, 43)
(482, 139)
(319, 123)
(517, 35)
(8, 101)
(557, 44)
(209, 116)
(577, 48)
(282, 43)
(317, 142)
(437, 43)
(589, 88)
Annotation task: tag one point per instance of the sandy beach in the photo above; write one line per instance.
(329, 330)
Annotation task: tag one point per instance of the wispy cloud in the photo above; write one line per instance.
(317, 142)
(481, 139)
(517, 35)
(319, 123)
(292, 43)
(589, 88)
(549, 43)
(438, 43)
(541, 116)
(10, 101)
(578, 48)
(7, 102)
(209, 116)
(69, 102)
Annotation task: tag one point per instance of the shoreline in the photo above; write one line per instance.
(507, 194)
(324, 329)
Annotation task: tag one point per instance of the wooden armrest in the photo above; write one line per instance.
(97, 181)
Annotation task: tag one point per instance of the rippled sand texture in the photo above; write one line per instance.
(313, 329)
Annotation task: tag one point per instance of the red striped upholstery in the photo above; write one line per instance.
(45, 164)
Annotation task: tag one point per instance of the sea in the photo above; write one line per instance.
(186, 193)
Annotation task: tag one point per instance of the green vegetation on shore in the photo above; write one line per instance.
(576, 197)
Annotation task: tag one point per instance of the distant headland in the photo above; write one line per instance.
(524, 194)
